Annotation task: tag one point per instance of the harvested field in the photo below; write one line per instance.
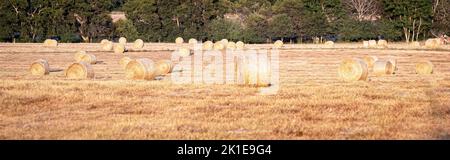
(312, 103)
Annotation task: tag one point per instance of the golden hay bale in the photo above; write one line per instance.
(329, 43)
(224, 42)
(104, 41)
(231, 45)
(138, 44)
(219, 46)
(179, 40)
(119, 48)
(184, 52)
(107, 46)
(88, 58)
(193, 41)
(425, 67)
(79, 55)
(208, 45)
(370, 60)
(164, 67)
(240, 45)
(372, 43)
(81, 70)
(50, 43)
(278, 44)
(40, 67)
(353, 70)
(141, 69)
(382, 43)
(254, 73)
(123, 40)
(366, 44)
(382, 68)
(124, 61)
(433, 43)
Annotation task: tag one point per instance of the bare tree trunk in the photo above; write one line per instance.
(418, 30)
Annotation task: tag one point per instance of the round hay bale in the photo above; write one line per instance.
(366, 44)
(219, 46)
(193, 41)
(433, 43)
(81, 70)
(108, 46)
(381, 68)
(370, 60)
(124, 61)
(372, 43)
(224, 42)
(240, 45)
(123, 40)
(88, 58)
(179, 40)
(78, 56)
(353, 70)
(231, 46)
(184, 52)
(425, 67)
(104, 41)
(208, 45)
(40, 67)
(278, 44)
(50, 43)
(164, 67)
(119, 48)
(382, 43)
(141, 69)
(329, 43)
(138, 44)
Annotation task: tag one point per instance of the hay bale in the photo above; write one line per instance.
(108, 46)
(372, 43)
(381, 68)
(88, 58)
(382, 43)
(104, 41)
(179, 40)
(433, 43)
(366, 44)
(278, 44)
(219, 46)
(124, 61)
(208, 45)
(329, 43)
(138, 44)
(184, 52)
(119, 48)
(50, 43)
(370, 60)
(224, 42)
(231, 46)
(40, 67)
(240, 45)
(79, 55)
(123, 40)
(353, 70)
(164, 67)
(81, 70)
(141, 69)
(192, 41)
(425, 67)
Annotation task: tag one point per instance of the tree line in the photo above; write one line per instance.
(251, 21)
